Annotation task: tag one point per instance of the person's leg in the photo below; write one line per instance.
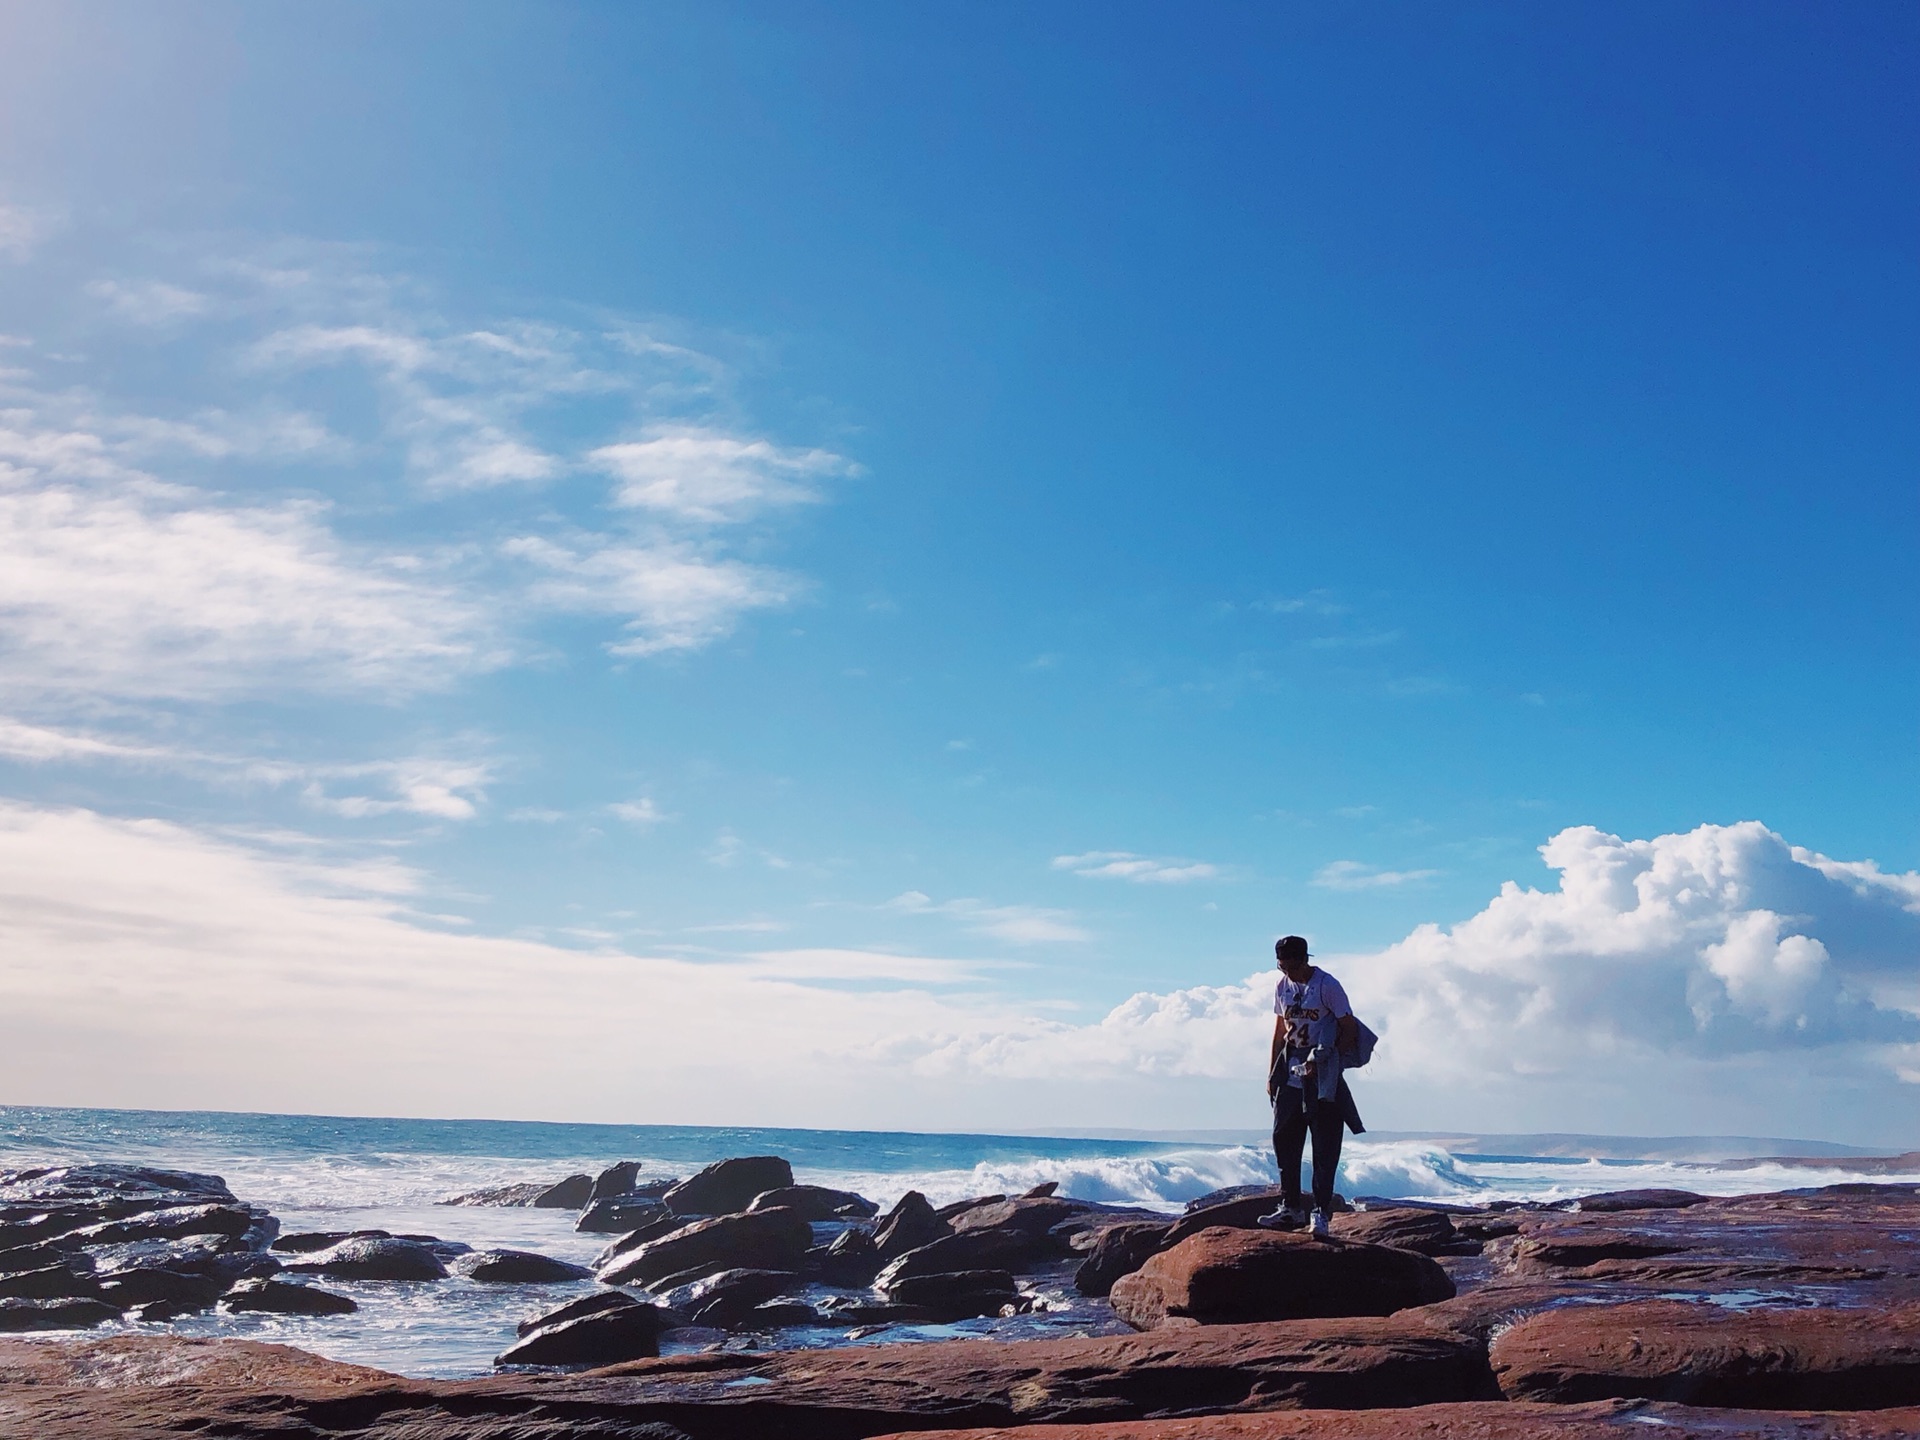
(1328, 1130)
(1289, 1140)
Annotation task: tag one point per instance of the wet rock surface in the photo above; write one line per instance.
(728, 1186)
(1480, 1421)
(1696, 1355)
(389, 1258)
(764, 1240)
(280, 1297)
(518, 1267)
(1596, 1309)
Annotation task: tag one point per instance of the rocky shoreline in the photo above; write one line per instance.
(1792, 1314)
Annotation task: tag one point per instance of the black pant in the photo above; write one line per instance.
(1296, 1113)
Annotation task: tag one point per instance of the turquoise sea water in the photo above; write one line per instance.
(334, 1173)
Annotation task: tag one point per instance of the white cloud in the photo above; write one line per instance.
(1141, 870)
(1021, 924)
(204, 973)
(24, 228)
(1703, 954)
(431, 786)
(141, 590)
(438, 789)
(1352, 875)
(461, 402)
(674, 595)
(37, 744)
(708, 476)
(642, 812)
(148, 302)
(1719, 942)
(1669, 981)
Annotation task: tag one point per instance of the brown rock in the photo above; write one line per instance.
(816, 1202)
(956, 1295)
(1221, 1277)
(1238, 1214)
(17, 1316)
(1572, 1252)
(972, 1250)
(601, 1337)
(374, 1259)
(806, 1395)
(910, 1224)
(1430, 1232)
(1478, 1421)
(122, 1361)
(1120, 1250)
(1697, 1354)
(278, 1297)
(1030, 1217)
(50, 1282)
(571, 1193)
(764, 1240)
(726, 1186)
(1614, 1201)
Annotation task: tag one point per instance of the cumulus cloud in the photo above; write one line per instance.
(223, 971)
(1722, 941)
(1139, 869)
(1721, 946)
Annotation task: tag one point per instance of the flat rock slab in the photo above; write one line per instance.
(1844, 1245)
(139, 1360)
(795, 1395)
(1698, 1354)
(1480, 1421)
(1223, 1277)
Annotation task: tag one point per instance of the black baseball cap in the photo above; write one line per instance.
(1290, 947)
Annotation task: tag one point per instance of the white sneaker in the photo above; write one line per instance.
(1322, 1225)
(1287, 1217)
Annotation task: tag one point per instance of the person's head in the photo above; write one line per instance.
(1290, 953)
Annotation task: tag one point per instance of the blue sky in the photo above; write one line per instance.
(987, 510)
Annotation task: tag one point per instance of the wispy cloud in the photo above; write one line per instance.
(148, 302)
(1021, 924)
(25, 228)
(1139, 869)
(706, 476)
(672, 595)
(135, 589)
(432, 786)
(128, 570)
(1352, 875)
(642, 812)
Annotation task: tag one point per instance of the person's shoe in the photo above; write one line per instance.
(1322, 1226)
(1287, 1217)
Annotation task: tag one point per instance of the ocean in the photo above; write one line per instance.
(338, 1173)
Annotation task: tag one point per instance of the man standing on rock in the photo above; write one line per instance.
(1312, 1024)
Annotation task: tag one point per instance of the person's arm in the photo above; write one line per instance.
(1346, 1029)
(1273, 1055)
